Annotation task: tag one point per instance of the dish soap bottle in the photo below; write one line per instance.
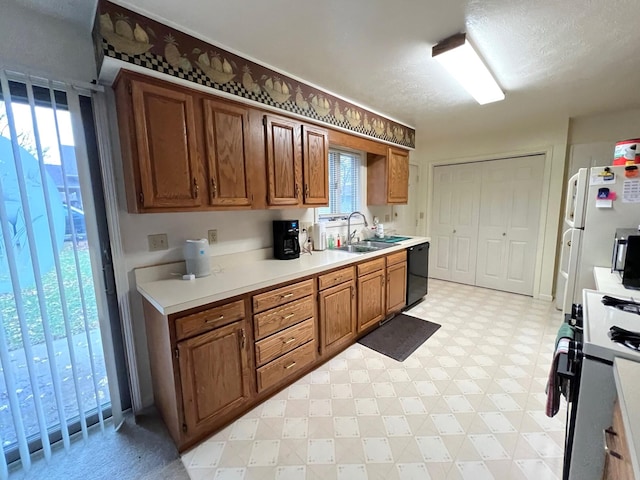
(331, 242)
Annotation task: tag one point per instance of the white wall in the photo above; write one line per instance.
(43, 45)
(549, 138)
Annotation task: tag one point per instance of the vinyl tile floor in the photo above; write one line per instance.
(467, 404)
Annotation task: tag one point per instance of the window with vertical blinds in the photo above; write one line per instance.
(344, 184)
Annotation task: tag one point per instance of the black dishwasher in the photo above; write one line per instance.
(417, 272)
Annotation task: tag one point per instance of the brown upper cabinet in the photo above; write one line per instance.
(162, 142)
(284, 161)
(315, 171)
(388, 177)
(226, 126)
(297, 158)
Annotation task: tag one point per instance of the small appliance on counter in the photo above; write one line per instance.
(626, 257)
(286, 245)
(319, 236)
(196, 257)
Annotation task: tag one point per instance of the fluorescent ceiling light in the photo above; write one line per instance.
(461, 60)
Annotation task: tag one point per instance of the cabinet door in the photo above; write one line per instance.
(166, 142)
(398, 176)
(315, 171)
(371, 299)
(337, 316)
(225, 132)
(284, 161)
(214, 370)
(396, 287)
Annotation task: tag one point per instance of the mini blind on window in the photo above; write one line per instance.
(344, 183)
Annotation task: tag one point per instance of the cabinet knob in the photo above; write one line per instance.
(214, 187)
(243, 338)
(306, 191)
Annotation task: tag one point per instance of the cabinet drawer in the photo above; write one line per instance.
(397, 257)
(334, 278)
(281, 368)
(276, 319)
(214, 317)
(282, 295)
(284, 341)
(372, 266)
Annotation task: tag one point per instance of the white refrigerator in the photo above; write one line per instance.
(592, 222)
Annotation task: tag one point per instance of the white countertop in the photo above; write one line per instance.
(626, 375)
(608, 282)
(172, 295)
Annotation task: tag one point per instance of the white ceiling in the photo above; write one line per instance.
(554, 59)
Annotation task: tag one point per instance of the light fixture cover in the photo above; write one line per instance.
(462, 61)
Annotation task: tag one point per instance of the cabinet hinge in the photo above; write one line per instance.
(264, 120)
(141, 198)
(176, 353)
(184, 427)
(129, 88)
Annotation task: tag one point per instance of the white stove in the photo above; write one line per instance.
(596, 389)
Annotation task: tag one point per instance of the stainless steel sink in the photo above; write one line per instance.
(364, 247)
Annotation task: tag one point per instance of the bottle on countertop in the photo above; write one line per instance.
(331, 241)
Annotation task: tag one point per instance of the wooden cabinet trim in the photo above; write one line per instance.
(284, 160)
(284, 341)
(396, 257)
(370, 266)
(335, 278)
(278, 371)
(196, 323)
(315, 166)
(275, 319)
(282, 295)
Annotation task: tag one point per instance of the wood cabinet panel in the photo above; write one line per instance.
(315, 171)
(284, 161)
(276, 319)
(226, 128)
(214, 368)
(282, 295)
(397, 176)
(396, 257)
(167, 157)
(396, 287)
(334, 278)
(371, 299)
(279, 370)
(338, 311)
(618, 463)
(201, 322)
(371, 266)
(284, 341)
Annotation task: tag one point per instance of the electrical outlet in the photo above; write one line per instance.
(213, 236)
(421, 215)
(158, 242)
(387, 217)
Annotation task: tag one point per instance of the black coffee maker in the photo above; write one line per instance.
(285, 239)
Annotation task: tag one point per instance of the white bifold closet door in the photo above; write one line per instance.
(486, 217)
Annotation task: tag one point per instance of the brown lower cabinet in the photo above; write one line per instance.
(211, 364)
(617, 465)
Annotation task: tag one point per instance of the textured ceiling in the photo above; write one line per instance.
(553, 59)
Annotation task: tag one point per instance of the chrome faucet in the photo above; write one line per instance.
(349, 234)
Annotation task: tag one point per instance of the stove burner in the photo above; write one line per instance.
(624, 337)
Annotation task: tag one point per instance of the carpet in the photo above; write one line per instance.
(400, 336)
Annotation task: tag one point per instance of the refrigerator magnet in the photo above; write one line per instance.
(631, 171)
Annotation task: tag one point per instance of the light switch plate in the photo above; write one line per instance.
(158, 242)
(387, 217)
(212, 235)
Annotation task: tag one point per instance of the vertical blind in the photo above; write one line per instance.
(344, 183)
(53, 366)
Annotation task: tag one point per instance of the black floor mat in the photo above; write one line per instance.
(400, 336)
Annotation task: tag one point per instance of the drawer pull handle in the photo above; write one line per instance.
(287, 317)
(286, 342)
(287, 295)
(608, 451)
(211, 320)
(293, 364)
